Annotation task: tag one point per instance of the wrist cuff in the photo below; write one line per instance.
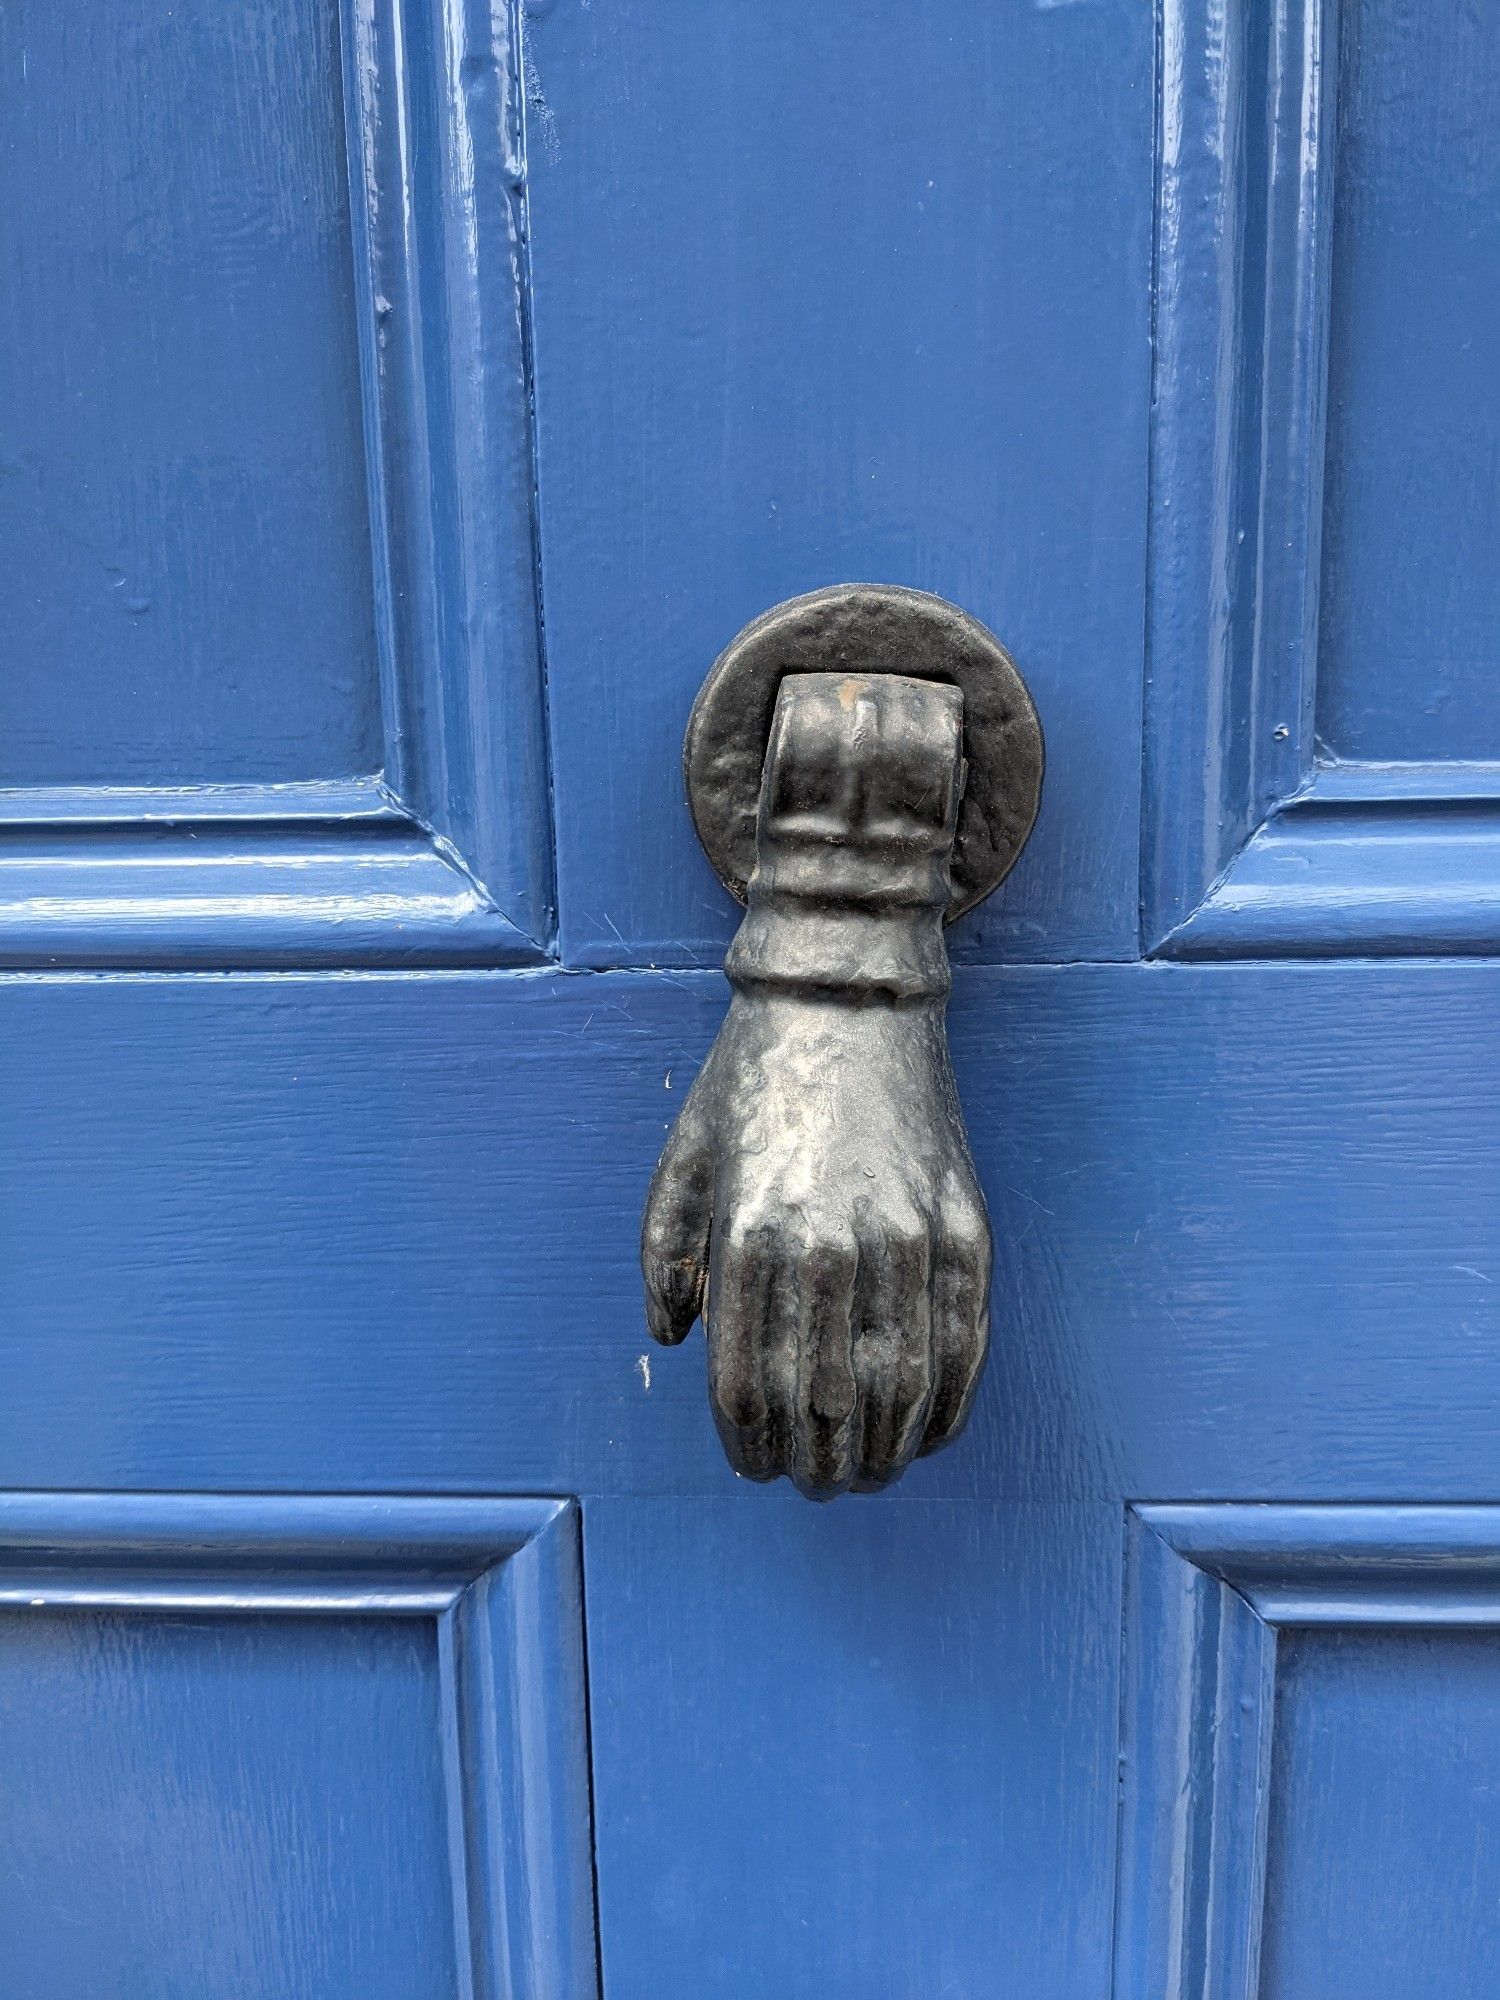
(841, 950)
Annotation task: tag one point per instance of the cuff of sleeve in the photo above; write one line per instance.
(841, 951)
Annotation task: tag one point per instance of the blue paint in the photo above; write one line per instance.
(1385, 1831)
(440, 226)
(308, 1747)
(1309, 1694)
(1240, 337)
(233, 1752)
(1409, 628)
(525, 353)
(360, 884)
(822, 295)
(185, 526)
(1320, 592)
(1222, 1273)
(382, 301)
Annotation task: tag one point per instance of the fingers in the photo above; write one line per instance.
(825, 1393)
(833, 1363)
(781, 1374)
(742, 1267)
(893, 1362)
(839, 1368)
(674, 1234)
(960, 1326)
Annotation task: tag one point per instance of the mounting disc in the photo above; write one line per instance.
(867, 628)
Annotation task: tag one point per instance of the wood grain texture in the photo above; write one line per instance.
(1409, 616)
(297, 1231)
(304, 417)
(185, 522)
(1308, 1696)
(835, 294)
(299, 1747)
(854, 1749)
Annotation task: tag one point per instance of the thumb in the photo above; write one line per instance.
(674, 1235)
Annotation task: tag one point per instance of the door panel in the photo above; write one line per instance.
(185, 525)
(1385, 1820)
(330, 1090)
(841, 1750)
(821, 294)
(1410, 601)
(1308, 1704)
(1321, 559)
(205, 1776)
(292, 1747)
(269, 507)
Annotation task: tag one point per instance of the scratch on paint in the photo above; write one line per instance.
(541, 111)
(643, 1363)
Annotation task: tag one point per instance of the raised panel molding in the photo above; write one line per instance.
(500, 1581)
(1209, 1591)
(444, 856)
(1252, 846)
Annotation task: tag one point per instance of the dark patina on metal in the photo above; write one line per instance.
(816, 1201)
(872, 629)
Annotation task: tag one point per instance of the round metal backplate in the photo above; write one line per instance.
(867, 628)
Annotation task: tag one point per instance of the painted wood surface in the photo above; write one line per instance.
(341, 1232)
(292, 1746)
(330, 1082)
(1249, 1227)
(1409, 625)
(1308, 1696)
(1320, 718)
(188, 567)
(284, 377)
(854, 1750)
(824, 294)
(1384, 1835)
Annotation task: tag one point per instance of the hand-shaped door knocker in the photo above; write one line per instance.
(862, 765)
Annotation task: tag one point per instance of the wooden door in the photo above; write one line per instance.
(407, 400)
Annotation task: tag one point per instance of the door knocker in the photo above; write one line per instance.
(863, 765)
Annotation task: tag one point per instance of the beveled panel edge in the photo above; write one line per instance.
(223, 893)
(1196, 1706)
(502, 1581)
(1366, 878)
(1241, 856)
(1242, 269)
(435, 120)
(445, 857)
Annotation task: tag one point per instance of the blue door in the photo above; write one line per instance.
(405, 401)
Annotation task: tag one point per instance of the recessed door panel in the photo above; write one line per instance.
(1409, 618)
(292, 1749)
(1384, 1838)
(205, 1803)
(184, 524)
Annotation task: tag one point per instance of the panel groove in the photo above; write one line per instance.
(1241, 857)
(1209, 1590)
(444, 858)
